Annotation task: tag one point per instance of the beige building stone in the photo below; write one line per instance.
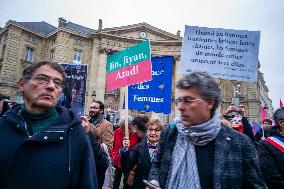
(60, 43)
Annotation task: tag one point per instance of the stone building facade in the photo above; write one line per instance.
(22, 43)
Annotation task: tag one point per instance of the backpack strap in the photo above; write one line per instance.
(277, 142)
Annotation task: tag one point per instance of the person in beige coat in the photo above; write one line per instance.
(96, 124)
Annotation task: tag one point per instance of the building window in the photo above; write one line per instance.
(29, 53)
(52, 41)
(78, 41)
(52, 53)
(3, 52)
(237, 90)
(77, 57)
(32, 39)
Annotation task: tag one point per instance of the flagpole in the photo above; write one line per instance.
(126, 112)
(262, 131)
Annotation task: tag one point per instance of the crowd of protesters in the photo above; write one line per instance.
(47, 146)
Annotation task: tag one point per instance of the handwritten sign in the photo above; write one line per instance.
(154, 95)
(129, 66)
(223, 53)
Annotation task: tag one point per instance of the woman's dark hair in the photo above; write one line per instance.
(140, 122)
(267, 120)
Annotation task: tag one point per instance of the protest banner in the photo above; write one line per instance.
(129, 66)
(223, 53)
(73, 95)
(154, 95)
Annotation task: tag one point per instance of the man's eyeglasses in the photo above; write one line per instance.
(45, 80)
(187, 100)
(154, 130)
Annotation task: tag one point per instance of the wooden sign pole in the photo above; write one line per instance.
(126, 112)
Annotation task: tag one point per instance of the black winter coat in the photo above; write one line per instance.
(101, 159)
(59, 157)
(248, 129)
(139, 156)
(271, 161)
(235, 161)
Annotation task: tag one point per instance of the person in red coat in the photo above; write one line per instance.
(117, 144)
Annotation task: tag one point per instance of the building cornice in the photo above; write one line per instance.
(144, 26)
(137, 40)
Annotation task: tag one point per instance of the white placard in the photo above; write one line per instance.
(223, 53)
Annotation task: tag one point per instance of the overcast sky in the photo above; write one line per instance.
(171, 15)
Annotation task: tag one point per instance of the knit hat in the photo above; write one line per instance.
(278, 114)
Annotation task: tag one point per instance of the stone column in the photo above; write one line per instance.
(101, 77)
(177, 75)
(92, 74)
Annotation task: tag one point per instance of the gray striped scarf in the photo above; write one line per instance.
(184, 171)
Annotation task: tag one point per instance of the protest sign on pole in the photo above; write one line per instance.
(73, 95)
(129, 66)
(223, 53)
(154, 95)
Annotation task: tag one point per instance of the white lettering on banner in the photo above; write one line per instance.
(127, 73)
(147, 99)
(159, 72)
(77, 77)
(128, 60)
(223, 53)
(114, 65)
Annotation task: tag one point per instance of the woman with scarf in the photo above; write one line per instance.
(137, 162)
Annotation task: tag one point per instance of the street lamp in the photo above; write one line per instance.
(94, 95)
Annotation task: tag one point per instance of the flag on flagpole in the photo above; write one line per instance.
(281, 103)
(263, 113)
(255, 126)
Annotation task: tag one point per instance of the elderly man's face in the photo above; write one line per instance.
(194, 110)
(42, 91)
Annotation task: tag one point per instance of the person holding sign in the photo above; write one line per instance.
(137, 162)
(238, 120)
(197, 151)
(119, 135)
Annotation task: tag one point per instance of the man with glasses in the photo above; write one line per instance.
(197, 151)
(44, 146)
